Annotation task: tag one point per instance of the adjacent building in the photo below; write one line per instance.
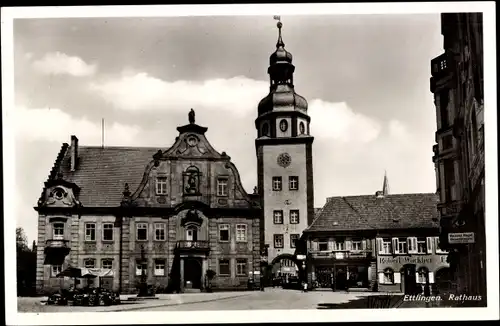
(457, 85)
(378, 242)
(171, 214)
(284, 164)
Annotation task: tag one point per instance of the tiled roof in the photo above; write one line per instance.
(102, 172)
(371, 212)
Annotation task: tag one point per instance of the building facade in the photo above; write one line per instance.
(284, 162)
(457, 85)
(169, 214)
(380, 242)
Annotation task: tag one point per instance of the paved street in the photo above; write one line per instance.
(270, 299)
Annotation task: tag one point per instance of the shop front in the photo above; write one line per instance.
(341, 275)
(410, 273)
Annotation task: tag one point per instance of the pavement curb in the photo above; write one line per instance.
(143, 307)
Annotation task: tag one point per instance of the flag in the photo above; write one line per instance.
(277, 17)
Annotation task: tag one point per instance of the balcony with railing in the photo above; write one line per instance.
(57, 247)
(192, 246)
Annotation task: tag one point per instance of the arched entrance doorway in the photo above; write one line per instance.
(285, 270)
(409, 279)
(192, 272)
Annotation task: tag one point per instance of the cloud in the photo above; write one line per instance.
(238, 96)
(140, 91)
(340, 122)
(55, 125)
(58, 63)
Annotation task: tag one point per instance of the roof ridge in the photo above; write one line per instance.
(55, 168)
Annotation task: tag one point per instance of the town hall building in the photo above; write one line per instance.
(176, 215)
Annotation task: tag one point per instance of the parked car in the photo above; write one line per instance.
(96, 297)
(57, 299)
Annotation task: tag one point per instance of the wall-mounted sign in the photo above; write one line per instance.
(301, 257)
(465, 237)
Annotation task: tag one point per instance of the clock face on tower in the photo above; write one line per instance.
(284, 160)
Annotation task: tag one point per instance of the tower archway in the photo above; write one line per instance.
(285, 268)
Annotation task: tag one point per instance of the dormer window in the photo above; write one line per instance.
(222, 187)
(161, 186)
(283, 125)
(59, 193)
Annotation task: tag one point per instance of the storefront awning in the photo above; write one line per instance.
(85, 272)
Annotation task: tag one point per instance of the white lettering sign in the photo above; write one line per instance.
(466, 237)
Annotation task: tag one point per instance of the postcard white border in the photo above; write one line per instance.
(438, 314)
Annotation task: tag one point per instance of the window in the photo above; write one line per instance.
(294, 216)
(159, 267)
(161, 186)
(141, 266)
(449, 179)
(323, 245)
(278, 217)
(356, 245)
(443, 107)
(277, 184)
(265, 129)
(402, 246)
(89, 263)
(224, 268)
(241, 267)
(222, 187)
(89, 231)
(142, 231)
(388, 277)
(241, 232)
(224, 232)
(386, 246)
(302, 128)
(58, 231)
(160, 234)
(55, 269)
(293, 183)
(422, 275)
(293, 240)
(447, 142)
(107, 263)
(339, 245)
(278, 241)
(438, 249)
(283, 125)
(422, 245)
(107, 231)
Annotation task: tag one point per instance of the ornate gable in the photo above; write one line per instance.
(60, 193)
(191, 143)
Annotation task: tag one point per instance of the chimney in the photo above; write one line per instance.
(379, 194)
(74, 152)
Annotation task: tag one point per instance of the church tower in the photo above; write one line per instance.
(284, 159)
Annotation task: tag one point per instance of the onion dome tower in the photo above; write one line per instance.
(284, 159)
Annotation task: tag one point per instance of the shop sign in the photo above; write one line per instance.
(405, 260)
(464, 237)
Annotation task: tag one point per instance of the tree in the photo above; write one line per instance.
(26, 264)
(21, 240)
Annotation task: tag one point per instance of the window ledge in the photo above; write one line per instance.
(241, 241)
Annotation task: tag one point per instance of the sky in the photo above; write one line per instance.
(365, 77)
